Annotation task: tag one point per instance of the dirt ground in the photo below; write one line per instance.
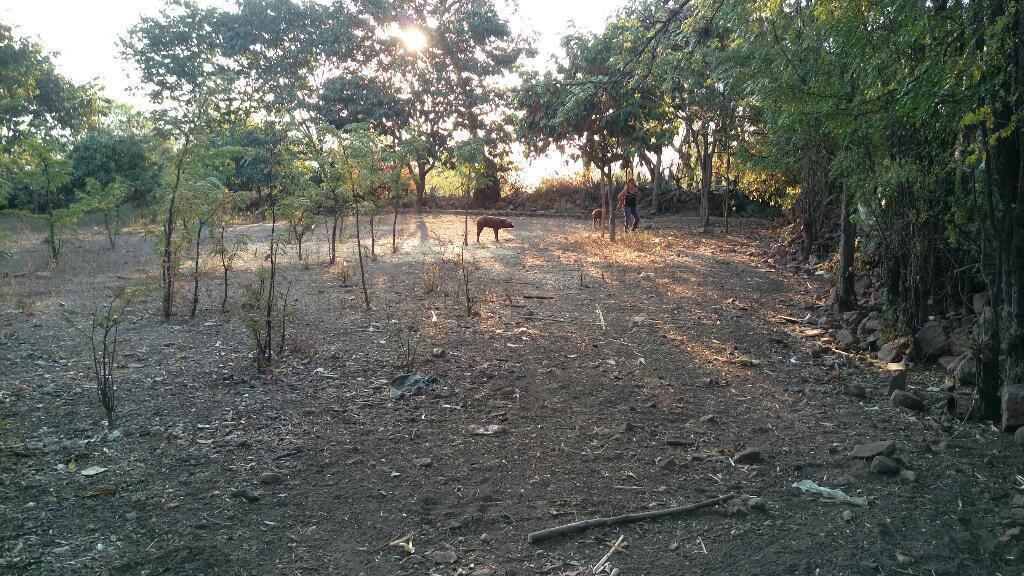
(615, 379)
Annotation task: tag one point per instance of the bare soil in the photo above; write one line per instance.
(585, 357)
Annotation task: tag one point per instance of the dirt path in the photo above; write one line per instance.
(691, 350)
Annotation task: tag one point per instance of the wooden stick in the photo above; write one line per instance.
(597, 567)
(600, 315)
(549, 533)
(546, 318)
(539, 296)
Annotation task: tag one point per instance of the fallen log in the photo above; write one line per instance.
(549, 533)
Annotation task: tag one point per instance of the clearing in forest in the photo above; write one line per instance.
(589, 380)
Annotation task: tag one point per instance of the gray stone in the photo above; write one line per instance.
(438, 352)
(904, 399)
(931, 341)
(979, 302)
(1018, 436)
(669, 463)
(898, 381)
(885, 465)
(966, 373)
(872, 449)
(748, 456)
(853, 318)
(890, 352)
(482, 572)
(855, 390)
(422, 462)
(870, 324)
(270, 478)
(949, 362)
(1013, 407)
(847, 516)
(846, 338)
(758, 503)
(908, 476)
(444, 556)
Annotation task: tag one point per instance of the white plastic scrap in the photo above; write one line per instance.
(838, 495)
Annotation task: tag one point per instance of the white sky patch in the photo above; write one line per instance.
(85, 33)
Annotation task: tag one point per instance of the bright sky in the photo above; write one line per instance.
(84, 34)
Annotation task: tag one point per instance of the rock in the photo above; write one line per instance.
(747, 456)
(872, 449)
(270, 478)
(758, 503)
(898, 381)
(870, 324)
(485, 538)
(1013, 407)
(884, 465)
(890, 352)
(904, 399)
(422, 462)
(855, 390)
(1018, 436)
(908, 476)
(902, 558)
(245, 495)
(846, 338)
(979, 302)
(673, 546)
(853, 318)
(483, 572)
(931, 341)
(444, 556)
(949, 362)
(966, 372)
(438, 352)
(708, 419)
(847, 515)
(675, 441)
(669, 463)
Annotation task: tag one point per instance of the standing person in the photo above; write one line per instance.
(627, 200)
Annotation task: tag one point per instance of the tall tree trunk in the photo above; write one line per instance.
(421, 185)
(394, 231)
(656, 183)
(847, 297)
(110, 233)
(373, 235)
(224, 268)
(195, 272)
(611, 199)
(167, 268)
(362, 269)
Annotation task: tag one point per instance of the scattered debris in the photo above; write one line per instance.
(548, 533)
(487, 430)
(410, 384)
(405, 543)
(830, 494)
(93, 471)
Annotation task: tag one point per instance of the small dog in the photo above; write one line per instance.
(491, 222)
(598, 217)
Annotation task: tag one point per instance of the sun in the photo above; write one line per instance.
(414, 39)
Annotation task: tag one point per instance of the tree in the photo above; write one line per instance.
(36, 100)
(43, 172)
(107, 200)
(359, 149)
(445, 62)
(106, 155)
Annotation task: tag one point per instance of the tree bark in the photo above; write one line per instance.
(394, 231)
(195, 272)
(359, 250)
(611, 199)
(847, 296)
